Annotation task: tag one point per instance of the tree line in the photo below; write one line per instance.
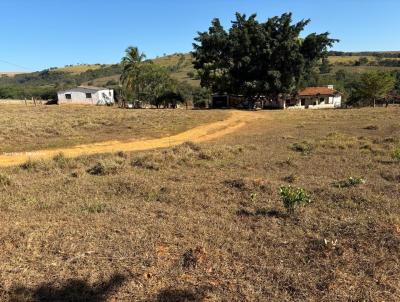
(272, 60)
(144, 82)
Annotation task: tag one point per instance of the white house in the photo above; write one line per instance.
(316, 98)
(86, 95)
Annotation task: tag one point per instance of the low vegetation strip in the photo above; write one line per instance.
(236, 120)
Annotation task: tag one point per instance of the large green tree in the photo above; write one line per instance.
(373, 86)
(257, 59)
(154, 81)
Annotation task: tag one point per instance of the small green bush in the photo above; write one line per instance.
(350, 182)
(291, 197)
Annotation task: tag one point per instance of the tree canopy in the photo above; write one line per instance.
(256, 59)
(372, 86)
(144, 81)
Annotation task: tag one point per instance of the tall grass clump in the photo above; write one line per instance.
(350, 182)
(292, 197)
(5, 180)
(396, 153)
(106, 167)
(304, 148)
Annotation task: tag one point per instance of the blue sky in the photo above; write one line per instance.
(37, 34)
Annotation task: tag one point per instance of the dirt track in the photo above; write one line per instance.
(236, 120)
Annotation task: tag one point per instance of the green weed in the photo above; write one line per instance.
(291, 197)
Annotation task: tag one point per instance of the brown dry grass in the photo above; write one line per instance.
(205, 222)
(27, 128)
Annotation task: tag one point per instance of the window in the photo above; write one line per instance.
(68, 96)
(303, 102)
(88, 95)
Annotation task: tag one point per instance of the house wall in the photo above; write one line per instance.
(101, 97)
(317, 103)
(105, 97)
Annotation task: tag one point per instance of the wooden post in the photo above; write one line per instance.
(26, 103)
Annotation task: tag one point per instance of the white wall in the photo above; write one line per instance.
(101, 97)
(334, 102)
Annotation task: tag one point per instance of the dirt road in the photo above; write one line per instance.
(236, 120)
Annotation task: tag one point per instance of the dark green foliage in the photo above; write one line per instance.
(372, 87)
(325, 66)
(169, 100)
(257, 59)
(148, 82)
(201, 97)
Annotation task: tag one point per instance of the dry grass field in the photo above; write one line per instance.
(76, 69)
(205, 222)
(27, 128)
(10, 74)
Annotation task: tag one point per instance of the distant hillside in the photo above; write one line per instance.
(179, 66)
(10, 74)
(77, 69)
(45, 83)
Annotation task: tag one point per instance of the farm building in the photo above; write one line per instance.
(316, 98)
(308, 98)
(86, 95)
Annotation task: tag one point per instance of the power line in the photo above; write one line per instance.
(16, 65)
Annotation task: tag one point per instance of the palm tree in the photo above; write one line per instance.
(131, 69)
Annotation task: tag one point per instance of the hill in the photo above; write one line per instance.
(77, 69)
(44, 84)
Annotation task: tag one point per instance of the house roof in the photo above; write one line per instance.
(84, 89)
(316, 91)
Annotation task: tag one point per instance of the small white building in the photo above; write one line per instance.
(316, 98)
(86, 95)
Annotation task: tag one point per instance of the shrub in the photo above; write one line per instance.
(5, 180)
(36, 166)
(105, 167)
(145, 162)
(350, 182)
(291, 197)
(304, 147)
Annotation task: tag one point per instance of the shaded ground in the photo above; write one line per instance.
(204, 222)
